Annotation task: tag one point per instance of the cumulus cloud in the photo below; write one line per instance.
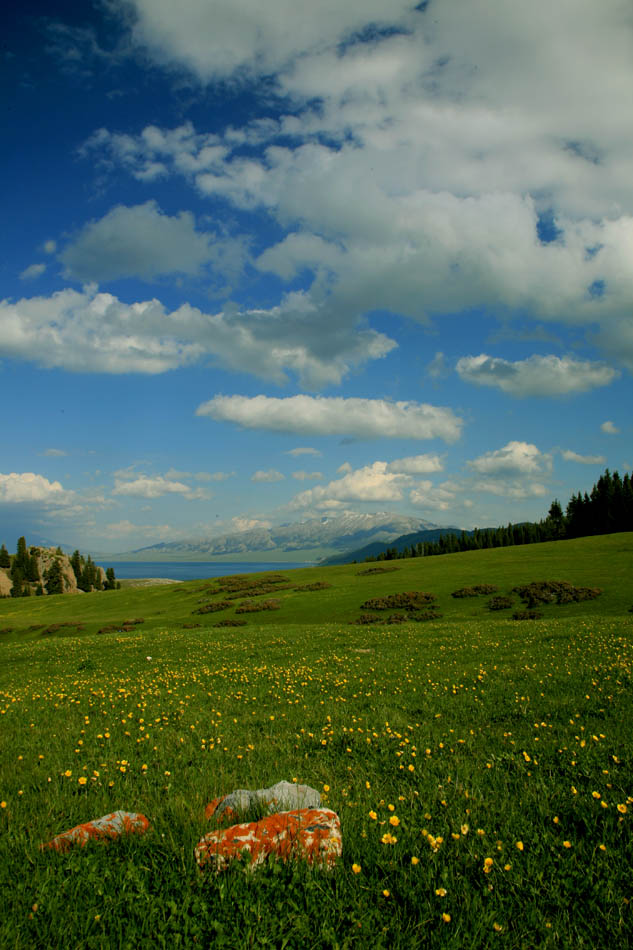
(432, 497)
(363, 418)
(154, 486)
(302, 476)
(609, 428)
(124, 528)
(304, 450)
(570, 456)
(370, 483)
(87, 331)
(416, 465)
(21, 487)
(55, 453)
(535, 376)
(271, 475)
(512, 471)
(33, 271)
(141, 241)
(451, 156)
(241, 523)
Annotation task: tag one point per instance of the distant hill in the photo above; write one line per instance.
(313, 539)
(404, 541)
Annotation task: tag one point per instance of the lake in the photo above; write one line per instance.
(195, 570)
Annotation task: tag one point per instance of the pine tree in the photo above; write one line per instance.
(5, 560)
(55, 578)
(110, 583)
(18, 582)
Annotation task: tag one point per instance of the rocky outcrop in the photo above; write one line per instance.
(46, 558)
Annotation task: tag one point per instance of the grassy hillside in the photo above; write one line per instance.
(481, 767)
(605, 562)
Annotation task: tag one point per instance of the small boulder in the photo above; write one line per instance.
(283, 796)
(313, 834)
(99, 829)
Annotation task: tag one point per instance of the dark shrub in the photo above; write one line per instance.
(554, 592)
(378, 570)
(475, 591)
(230, 623)
(526, 615)
(318, 585)
(247, 608)
(499, 603)
(213, 607)
(408, 600)
(367, 619)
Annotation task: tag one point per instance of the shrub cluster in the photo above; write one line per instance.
(230, 623)
(499, 603)
(213, 607)
(378, 570)
(248, 608)
(554, 592)
(234, 583)
(419, 616)
(318, 585)
(475, 591)
(122, 626)
(407, 600)
(526, 615)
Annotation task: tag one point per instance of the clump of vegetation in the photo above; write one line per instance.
(378, 570)
(554, 592)
(367, 619)
(527, 615)
(260, 590)
(407, 600)
(499, 603)
(190, 626)
(475, 591)
(235, 583)
(248, 608)
(230, 623)
(54, 627)
(213, 607)
(318, 585)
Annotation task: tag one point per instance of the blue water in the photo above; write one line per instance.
(195, 570)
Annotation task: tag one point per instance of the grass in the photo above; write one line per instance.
(461, 739)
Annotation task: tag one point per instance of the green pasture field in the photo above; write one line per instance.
(482, 767)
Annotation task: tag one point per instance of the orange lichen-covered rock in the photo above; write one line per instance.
(109, 826)
(313, 834)
(284, 796)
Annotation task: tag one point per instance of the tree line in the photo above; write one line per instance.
(24, 570)
(606, 509)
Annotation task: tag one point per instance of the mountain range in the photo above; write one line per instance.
(311, 540)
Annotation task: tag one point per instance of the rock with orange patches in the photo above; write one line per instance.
(283, 796)
(100, 829)
(313, 834)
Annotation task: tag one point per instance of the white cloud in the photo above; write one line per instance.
(449, 136)
(609, 428)
(96, 332)
(142, 241)
(511, 489)
(344, 468)
(19, 487)
(370, 483)
(363, 418)
(304, 451)
(55, 453)
(432, 497)
(241, 523)
(416, 465)
(570, 456)
(302, 476)
(271, 475)
(535, 376)
(124, 528)
(151, 486)
(33, 271)
(216, 40)
(515, 458)
(49, 247)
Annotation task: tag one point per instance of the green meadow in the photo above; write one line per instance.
(481, 765)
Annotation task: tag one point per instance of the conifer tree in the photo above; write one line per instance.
(5, 560)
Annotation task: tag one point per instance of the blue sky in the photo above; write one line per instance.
(267, 262)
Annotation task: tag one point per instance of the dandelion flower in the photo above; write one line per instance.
(388, 838)
(566, 844)
(356, 868)
(465, 829)
(326, 788)
(520, 845)
(622, 809)
(415, 860)
(82, 780)
(386, 893)
(394, 820)
(441, 892)
(373, 815)
(497, 927)
(446, 918)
